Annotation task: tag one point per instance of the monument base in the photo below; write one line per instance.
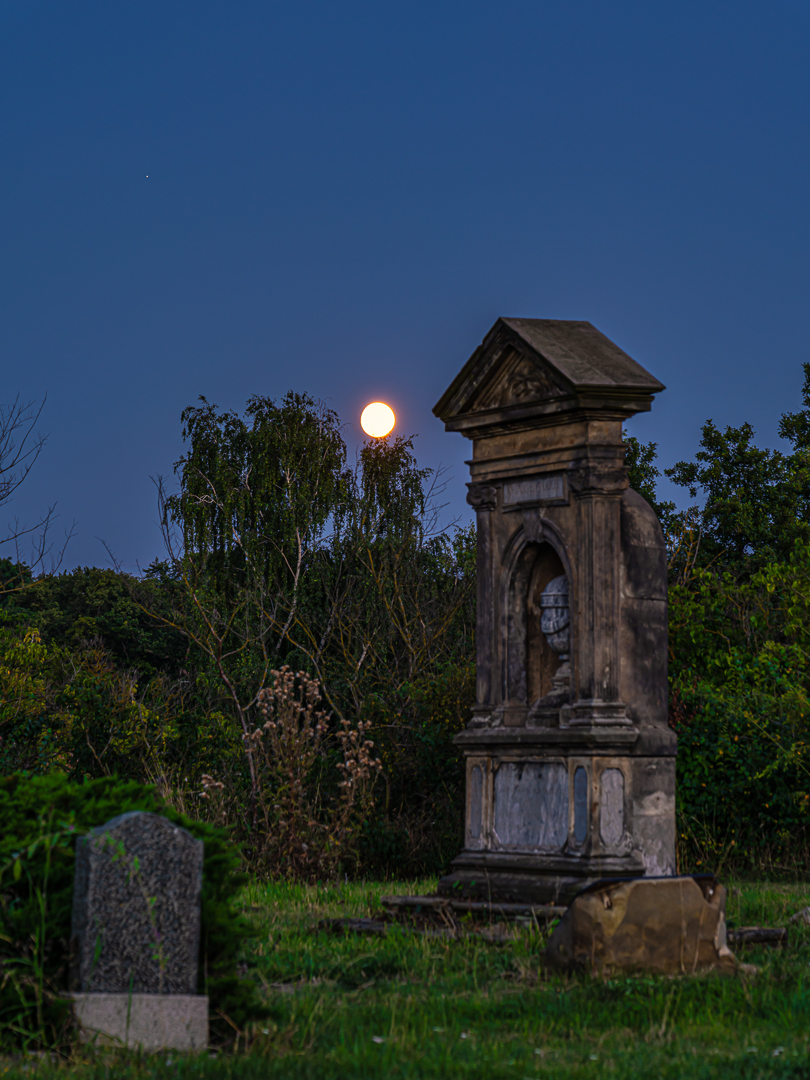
(552, 810)
(146, 1021)
(512, 878)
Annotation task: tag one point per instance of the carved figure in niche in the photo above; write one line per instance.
(555, 623)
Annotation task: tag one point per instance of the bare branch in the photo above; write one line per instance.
(116, 562)
(19, 446)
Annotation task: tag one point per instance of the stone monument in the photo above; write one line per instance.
(570, 761)
(136, 934)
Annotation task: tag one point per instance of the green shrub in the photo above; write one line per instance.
(740, 703)
(42, 816)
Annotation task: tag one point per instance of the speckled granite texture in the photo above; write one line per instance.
(136, 907)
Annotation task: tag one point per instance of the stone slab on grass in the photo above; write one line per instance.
(669, 926)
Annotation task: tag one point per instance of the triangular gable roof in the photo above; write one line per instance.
(529, 367)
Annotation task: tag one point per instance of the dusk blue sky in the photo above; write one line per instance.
(241, 198)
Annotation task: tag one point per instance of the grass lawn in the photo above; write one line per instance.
(410, 1005)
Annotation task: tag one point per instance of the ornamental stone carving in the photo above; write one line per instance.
(482, 496)
(555, 623)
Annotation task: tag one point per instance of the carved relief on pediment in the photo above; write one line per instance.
(518, 381)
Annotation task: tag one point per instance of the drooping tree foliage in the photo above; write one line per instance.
(257, 492)
(285, 555)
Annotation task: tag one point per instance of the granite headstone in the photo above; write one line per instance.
(136, 907)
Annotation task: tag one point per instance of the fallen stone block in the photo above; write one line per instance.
(673, 925)
(352, 926)
(491, 909)
(775, 936)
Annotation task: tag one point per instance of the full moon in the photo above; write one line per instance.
(378, 420)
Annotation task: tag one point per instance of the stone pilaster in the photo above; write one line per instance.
(483, 499)
(598, 494)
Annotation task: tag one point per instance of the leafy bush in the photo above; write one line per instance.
(102, 607)
(740, 686)
(418, 824)
(42, 816)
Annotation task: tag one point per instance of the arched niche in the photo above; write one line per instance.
(531, 663)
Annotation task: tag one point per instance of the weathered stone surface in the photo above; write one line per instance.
(531, 805)
(673, 925)
(540, 489)
(572, 620)
(476, 796)
(643, 588)
(143, 1021)
(611, 810)
(580, 804)
(136, 907)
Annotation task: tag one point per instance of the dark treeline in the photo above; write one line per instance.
(297, 665)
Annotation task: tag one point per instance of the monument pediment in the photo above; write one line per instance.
(517, 379)
(544, 365)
